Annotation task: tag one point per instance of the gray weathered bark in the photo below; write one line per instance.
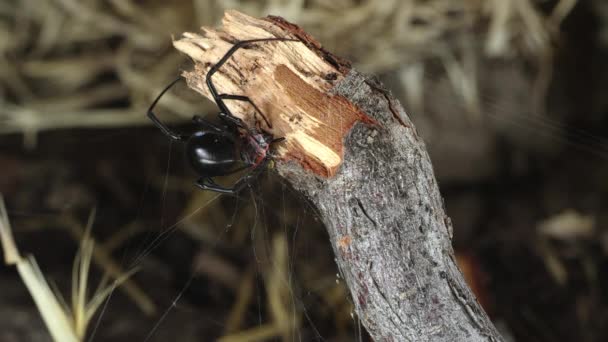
(353, 152)
(389, 230)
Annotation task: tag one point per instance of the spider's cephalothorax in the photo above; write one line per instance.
(219, 150)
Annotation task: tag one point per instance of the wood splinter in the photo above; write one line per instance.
(353, 152)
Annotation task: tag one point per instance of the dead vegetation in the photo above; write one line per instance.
(68, 63)
(477, 77)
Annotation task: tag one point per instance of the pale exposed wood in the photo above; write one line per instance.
(361, 163)
(289, 82)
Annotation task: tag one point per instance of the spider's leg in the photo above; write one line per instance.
(208, 184)
(246, 99)
(163, 128)
(218, 65)
(229, 118)
(206, 123)
(277, 140)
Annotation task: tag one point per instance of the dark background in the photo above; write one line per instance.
(510, 97)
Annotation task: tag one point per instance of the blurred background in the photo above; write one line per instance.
(509, 95)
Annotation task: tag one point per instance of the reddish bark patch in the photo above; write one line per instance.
(344, 242)
(333, 115)
(341, 64)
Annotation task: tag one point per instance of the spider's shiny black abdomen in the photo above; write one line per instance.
(211, 153)
(220, 150)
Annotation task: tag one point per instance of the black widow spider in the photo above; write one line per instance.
(217, 150)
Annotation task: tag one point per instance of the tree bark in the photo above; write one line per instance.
(353, 152)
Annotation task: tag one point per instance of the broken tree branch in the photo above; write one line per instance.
(353, 152)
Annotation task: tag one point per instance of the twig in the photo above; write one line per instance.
(352, 150)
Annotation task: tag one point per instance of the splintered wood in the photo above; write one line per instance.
(383, 211)
(289, 81)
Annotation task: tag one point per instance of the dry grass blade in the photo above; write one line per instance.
(55, 317)
(280, 302)
(244, 296)
(279, 289)
(63, 324)
(80, 273)
(57, 320)
(130, 41)
(104, 260)
(11, 254)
